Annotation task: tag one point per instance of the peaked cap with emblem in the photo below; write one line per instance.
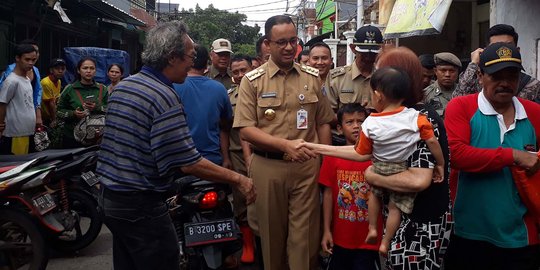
(368, 38)
(498, 56)
(221, 45)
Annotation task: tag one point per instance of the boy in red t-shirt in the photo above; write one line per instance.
(345, 200)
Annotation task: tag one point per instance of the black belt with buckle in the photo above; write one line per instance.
(273, 155)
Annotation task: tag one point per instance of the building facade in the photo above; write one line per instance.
(94, 23)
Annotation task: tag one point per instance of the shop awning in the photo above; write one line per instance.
(416, 18)
(110, 11)
(142, 15)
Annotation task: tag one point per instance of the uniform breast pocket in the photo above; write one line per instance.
(308, 98)
(268, 108)
(347, 96)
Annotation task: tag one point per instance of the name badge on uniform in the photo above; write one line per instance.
(269, 95)
(302, 119)
(350, 91)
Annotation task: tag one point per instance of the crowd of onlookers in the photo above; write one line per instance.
(396, 135)
(58, 106)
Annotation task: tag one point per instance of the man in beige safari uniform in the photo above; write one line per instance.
(220, 55)
(280, 104)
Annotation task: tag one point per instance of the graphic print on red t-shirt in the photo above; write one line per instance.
(352, 195)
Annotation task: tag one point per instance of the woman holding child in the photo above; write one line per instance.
(423, 234)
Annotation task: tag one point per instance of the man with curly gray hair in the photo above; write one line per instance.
(146, 139)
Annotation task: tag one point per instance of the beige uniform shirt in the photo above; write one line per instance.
(225, 79)
(436, 97)
(347, 85)
(234, 136)
(275, 101)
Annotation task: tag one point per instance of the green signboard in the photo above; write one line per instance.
(324, 9)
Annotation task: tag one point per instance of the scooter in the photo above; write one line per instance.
(204, 221)
(73, 188)
(25, 210)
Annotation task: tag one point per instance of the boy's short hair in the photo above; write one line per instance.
(350, 108)
(24, 48)
(394, 83)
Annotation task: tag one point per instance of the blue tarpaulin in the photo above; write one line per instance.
(103, 56)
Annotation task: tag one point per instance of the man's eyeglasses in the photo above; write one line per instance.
(282, 43)
(193, 57)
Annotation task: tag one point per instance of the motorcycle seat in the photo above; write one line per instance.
(48, 155)
(181, 183)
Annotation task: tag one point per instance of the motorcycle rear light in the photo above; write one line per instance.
(210, 200)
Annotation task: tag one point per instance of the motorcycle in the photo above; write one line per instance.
(25, 207)
(204, 222)
(73, 189)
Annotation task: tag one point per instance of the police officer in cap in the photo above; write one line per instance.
(438, 94)
(350, 84)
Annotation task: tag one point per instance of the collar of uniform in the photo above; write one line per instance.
(214, 72)
(273, 69)
(487, 109)
(440, 90)
(233, 90)
(158, 74)
(78, 85)
(355, 71)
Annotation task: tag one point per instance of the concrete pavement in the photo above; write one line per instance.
(96, 256)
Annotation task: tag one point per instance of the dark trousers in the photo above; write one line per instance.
(143, 234)
(354, 259)
(465, 254)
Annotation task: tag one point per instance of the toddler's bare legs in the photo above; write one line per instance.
(374, 210)
(392, 224)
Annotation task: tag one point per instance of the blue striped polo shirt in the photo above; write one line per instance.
(146, 137)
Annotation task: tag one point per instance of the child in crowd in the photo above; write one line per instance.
(390, 137)
(345, 200)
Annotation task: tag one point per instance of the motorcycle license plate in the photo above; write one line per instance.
(90, 178)
(204, 233)
(44, 203)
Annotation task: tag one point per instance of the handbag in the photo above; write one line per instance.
(41, 139)
(90, 128)
(528, 187)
